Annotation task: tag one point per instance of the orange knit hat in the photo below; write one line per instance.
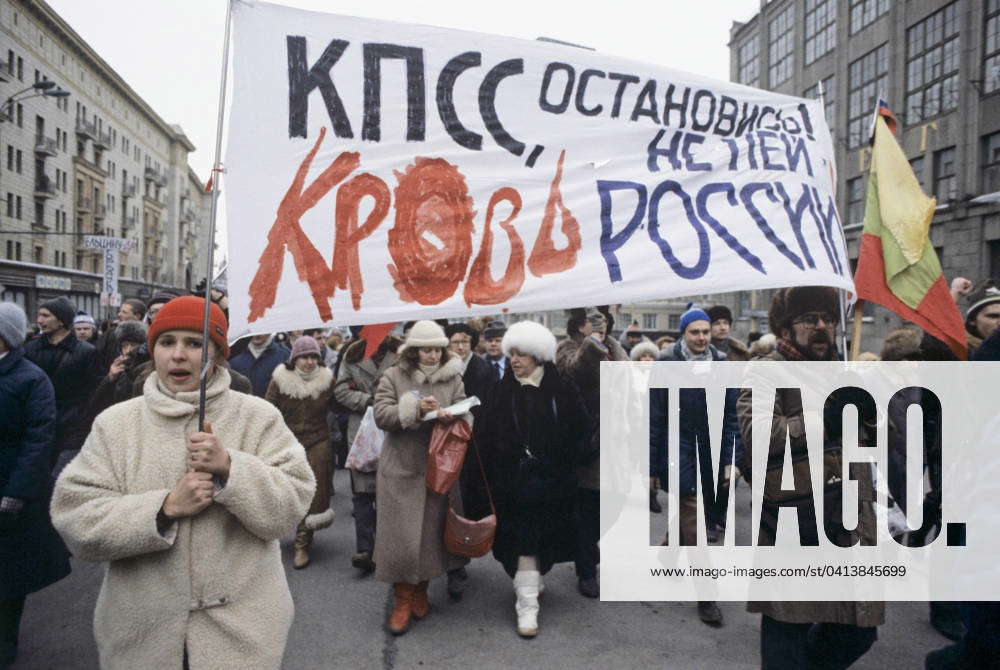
(188, 313)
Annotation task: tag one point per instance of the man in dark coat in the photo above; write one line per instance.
(257, 363)
(492, 338)
(721, 319)
(694, 345)
(69, 364)
(802, 634)
(579, 359)
(31, 554)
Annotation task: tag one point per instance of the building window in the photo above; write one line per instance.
(991, 61)
(649, 321)
(821, 28)
(749, 60)
(18, 156)
(855, 200)
(866, 77)
(917, 165)
(781, 50)
(10, 158)
(20, 68)
(38, 255)
(17, 207)
(10, 205)
(829, 89)
(991, 164)
(945, 183)
(674, 321)
(932, 65)
(864, 12)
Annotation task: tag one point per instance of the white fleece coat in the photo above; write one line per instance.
(214, 581)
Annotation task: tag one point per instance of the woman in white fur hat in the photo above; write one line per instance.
(409, 535)
(535, 432)
(302, 390)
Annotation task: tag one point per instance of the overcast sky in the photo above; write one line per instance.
(170, 51)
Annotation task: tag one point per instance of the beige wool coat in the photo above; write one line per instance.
(214, 581)
(409, 538)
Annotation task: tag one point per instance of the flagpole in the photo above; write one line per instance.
(859, 307)
(216, 176)
(841, 293)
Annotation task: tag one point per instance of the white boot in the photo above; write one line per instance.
(526, 589)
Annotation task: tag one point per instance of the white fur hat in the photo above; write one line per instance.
(424, 334)
(531, 338)
(644, 347)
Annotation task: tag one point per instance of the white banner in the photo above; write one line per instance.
(110, 285)
(381, 171)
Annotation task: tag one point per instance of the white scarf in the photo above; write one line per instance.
(533, 379)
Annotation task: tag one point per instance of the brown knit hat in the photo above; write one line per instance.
(788, 303)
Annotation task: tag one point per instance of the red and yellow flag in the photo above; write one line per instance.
(897, 266)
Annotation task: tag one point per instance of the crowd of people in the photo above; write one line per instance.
(189, 515)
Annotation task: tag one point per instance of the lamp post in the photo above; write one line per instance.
(43, 88)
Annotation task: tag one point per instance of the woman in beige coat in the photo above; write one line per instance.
(409, 540)
(189, 521)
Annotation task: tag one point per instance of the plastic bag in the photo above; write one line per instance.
(367, 446)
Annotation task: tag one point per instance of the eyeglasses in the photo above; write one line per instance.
(812, 319)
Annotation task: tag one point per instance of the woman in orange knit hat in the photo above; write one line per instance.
(188, 520)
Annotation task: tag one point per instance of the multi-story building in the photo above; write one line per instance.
(99, 161)
(937, 64)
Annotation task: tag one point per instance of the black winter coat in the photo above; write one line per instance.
(532, 439)
(69, 366)
(32, 555)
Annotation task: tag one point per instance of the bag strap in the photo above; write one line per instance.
(482, 471)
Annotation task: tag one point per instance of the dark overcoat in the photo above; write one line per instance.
(32, 555)
(534, 493)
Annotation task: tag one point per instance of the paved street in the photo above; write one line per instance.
(339, 618)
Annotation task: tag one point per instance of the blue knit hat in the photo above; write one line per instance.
(691, 315)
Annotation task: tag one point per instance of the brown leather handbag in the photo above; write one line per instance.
(446, 454)
(465, 537)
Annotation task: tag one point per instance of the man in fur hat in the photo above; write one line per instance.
(720, 318)
(579, 358)
(804, 634)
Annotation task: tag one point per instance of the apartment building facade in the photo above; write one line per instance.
(99, 161)
(937, 64)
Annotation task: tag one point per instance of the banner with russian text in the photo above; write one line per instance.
(380, 171)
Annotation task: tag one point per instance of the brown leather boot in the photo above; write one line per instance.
(420, 604)
(402, 608)
(303, 538)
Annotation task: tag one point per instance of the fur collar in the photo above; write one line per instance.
(451, 368)
(293, 386)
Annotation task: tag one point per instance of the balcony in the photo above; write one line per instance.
(84, 204)
(45, 187)
(100, 211)
(162, 180)
(6, 71)
(128, 191)
(102, 140)
(129, 222)
(187, 214)
(46, 146)
(85, 129)
(151, 174)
